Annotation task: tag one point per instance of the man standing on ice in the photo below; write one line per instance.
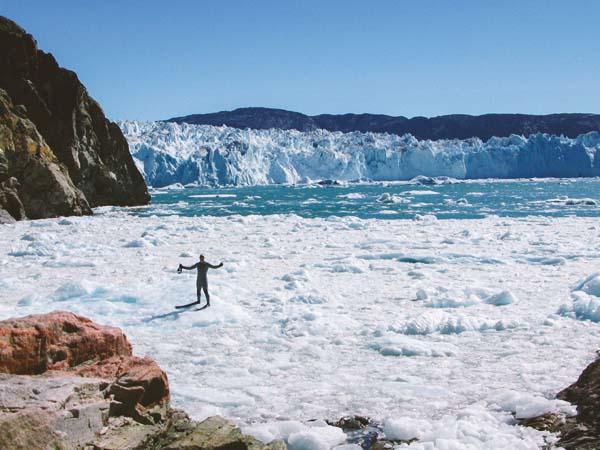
(202, 281)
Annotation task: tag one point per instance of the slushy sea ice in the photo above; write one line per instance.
(406, 322)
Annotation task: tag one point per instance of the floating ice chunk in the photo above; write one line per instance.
(581, 201)
(137, 243)
(352, 196)
(35, 248)
(351, 265)
(473, 428)
(300, 275)
(590, 285)
(543, 260)
(447, 302)
(308, 299)
(444, 298)
(213, 196)
(422, 294)
(397, 345)
(316, 438)
(501, 298)
(26, 301)
(420, 192)
(460, 201)
(310, 201)
(584, 307)
(441, 322)
(507, 236)
(525, 405)
(432, 181)
(405, 428)
(275, 430)
(386, 197)
(146, 240)
(402, 257)
(69, 290)
(174, 186)
(585, 296)
(566, 201)
(425, 217)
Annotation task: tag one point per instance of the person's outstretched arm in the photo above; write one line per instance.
(215, 267)
(181, 266)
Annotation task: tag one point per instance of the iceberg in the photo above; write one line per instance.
(168, 153)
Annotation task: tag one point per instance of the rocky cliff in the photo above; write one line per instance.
(68, 383)
(455, 126)
(59, 155)
(580, 432)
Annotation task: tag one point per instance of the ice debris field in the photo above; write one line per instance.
(445, 331)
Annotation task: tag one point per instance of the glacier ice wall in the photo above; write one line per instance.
(168, 153)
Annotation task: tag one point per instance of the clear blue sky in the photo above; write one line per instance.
(158, 59)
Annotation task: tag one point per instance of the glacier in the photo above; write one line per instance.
(168, 153)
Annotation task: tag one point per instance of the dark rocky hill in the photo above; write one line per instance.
(456, 126)
(50, 126)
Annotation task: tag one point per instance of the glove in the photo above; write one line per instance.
(179, 269)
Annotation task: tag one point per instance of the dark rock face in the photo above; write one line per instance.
(48, 105)
(33, 183)
(581, 432)
(456, 126)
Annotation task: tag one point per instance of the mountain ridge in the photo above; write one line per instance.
(451, 126)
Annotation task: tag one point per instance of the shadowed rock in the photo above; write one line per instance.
(133, 375)
(33, 183)
(59, 147)
(581, 432)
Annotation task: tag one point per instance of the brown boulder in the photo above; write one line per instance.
(138, 380)
(56, 341)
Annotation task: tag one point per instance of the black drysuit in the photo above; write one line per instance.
(201, 281)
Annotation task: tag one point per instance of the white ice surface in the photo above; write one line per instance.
(441, 329)
(168, 153)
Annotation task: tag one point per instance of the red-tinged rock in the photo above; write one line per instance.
(56, 341)
(131, 373)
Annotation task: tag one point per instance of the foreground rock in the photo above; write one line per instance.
(59, 155)
(56, 341)
(581, 432)
(68, 383)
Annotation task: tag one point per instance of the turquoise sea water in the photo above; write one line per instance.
(461, 200)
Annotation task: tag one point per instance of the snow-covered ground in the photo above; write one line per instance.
(442, 330)
(168, 153)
